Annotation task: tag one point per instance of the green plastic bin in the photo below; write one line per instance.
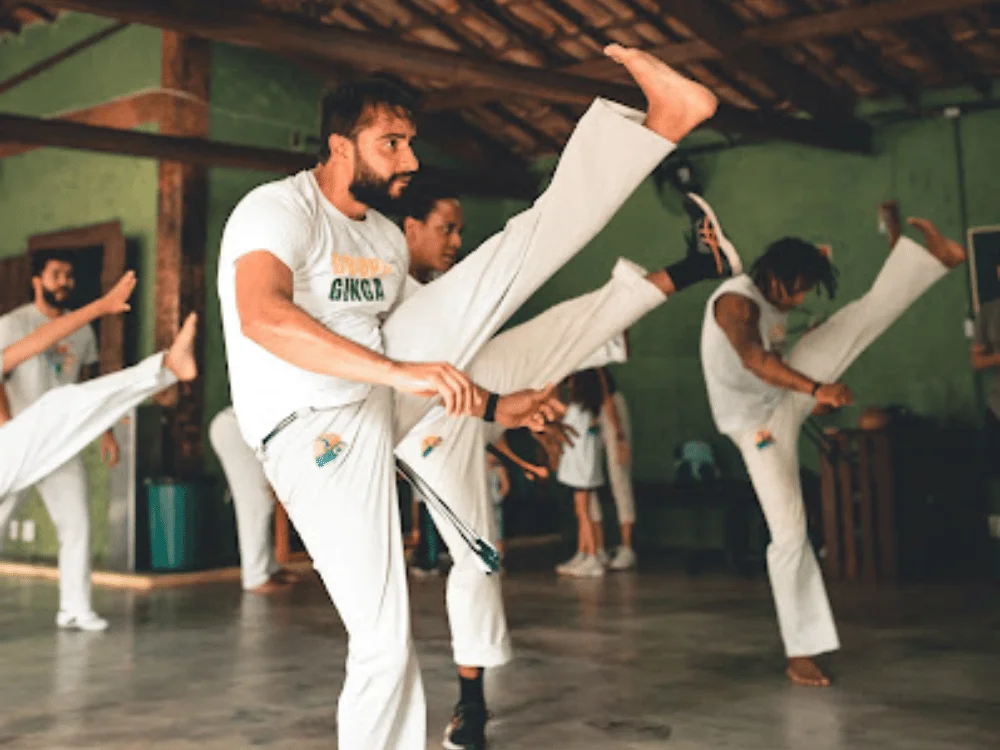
(173, 524)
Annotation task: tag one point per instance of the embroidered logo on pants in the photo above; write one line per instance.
(763, 438)
(327, 447)
(428, 444)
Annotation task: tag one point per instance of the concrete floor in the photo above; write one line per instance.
(635, 661)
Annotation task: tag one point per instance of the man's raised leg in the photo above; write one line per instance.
(66, 420)
(910, 270)
(611, 151)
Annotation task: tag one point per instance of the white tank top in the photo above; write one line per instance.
(740, 400)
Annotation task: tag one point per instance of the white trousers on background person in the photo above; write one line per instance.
(253, 499)
(824, 354)
(619, 475)
(41, 446)
(450, 453)
(334, 470)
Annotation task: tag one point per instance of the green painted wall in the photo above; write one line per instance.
(51, 189)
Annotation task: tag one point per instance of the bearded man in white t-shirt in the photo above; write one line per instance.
(760, 394)
(64, 491)
(325, 381)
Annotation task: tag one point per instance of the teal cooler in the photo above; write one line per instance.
(174, 510)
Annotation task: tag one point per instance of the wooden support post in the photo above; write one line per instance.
(846, 488)
(180, 237)
(831, 521)
(868, 565)
(885, 494)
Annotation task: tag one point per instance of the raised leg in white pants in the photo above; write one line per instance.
(66, 420)
(449, 453)
(555, 343)
(608, 155)
(253, 500)
(824, 354)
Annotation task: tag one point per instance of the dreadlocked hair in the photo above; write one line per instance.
(791, 261)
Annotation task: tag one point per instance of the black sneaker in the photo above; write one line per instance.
(707, 238)
(467, 730)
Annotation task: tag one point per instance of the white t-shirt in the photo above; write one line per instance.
(582, 463)
(347, 275)
(740, 400)
(57, 366)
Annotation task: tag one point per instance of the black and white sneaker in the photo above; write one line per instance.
(707, 237)
(467, 730)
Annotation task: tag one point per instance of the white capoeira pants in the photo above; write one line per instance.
(40, 447)
(253, 499)
(823, 354)
(619, 475)
(346, 510)
(450, 453)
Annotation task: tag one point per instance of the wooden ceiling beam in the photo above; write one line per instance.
(810, 27)
(222, 21)
(35, 131)
(849, 20)
(65, 54)
(715, 24)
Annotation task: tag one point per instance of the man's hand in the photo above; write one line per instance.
(110, 453)
(115, 301)
(430, 379)
(834, 395)
(529, 408)
(821, 410)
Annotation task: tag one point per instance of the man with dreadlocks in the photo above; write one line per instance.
(760, 398)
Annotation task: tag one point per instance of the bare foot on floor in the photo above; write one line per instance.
(272, 585)
(180, 356)
(677, 105)
(804, 671)
(949, 252)
(285, 575)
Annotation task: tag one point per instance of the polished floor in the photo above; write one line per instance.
(654, 660)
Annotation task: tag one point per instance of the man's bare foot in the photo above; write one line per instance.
(271, 586)
(888, 212)
(949, 252)
(286, 576)
(180, 356)
(677, 105)
(803, 671)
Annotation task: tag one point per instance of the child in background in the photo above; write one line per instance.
(581, 468)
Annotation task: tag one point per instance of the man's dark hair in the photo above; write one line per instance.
(350, 108)
(791, 261)
(422, 194)
(41, 258)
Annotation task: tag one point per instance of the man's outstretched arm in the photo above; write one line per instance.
(739, 318)
(270, 318)
(36, 342)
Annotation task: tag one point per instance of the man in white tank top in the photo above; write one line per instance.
(760, 396)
